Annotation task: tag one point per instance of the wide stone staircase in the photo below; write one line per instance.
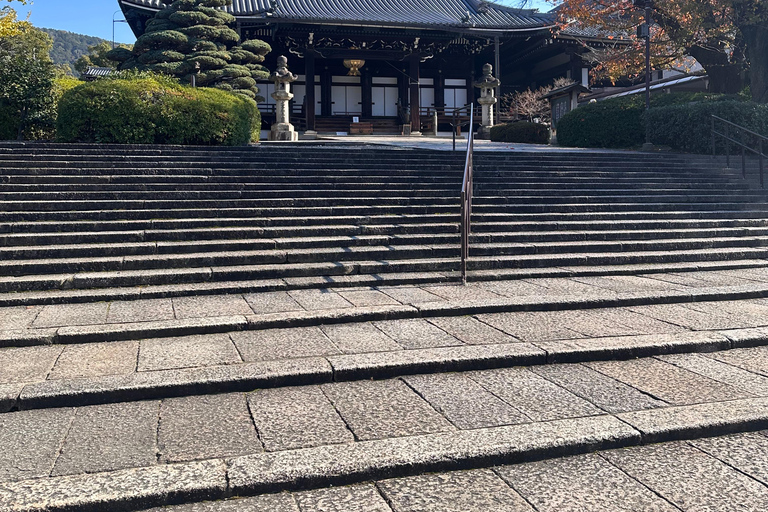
(281, 328)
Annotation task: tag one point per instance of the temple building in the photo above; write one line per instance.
(378, 59)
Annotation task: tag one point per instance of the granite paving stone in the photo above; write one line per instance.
(272, 302)
(319, 299)
(753, 359)
(206, 427)
(352, 498)
(411, 295)
(416, 333)
(384, 409)
(691, 479)
(60, 315)
(110, 437)
(666, 381)
(746, 316)
(368, 298)
(187, 352)
(273, 344)
(463, 402)
(566, 286)
(463, 293)
(113, 490)
(145, 310)
(9, 393)
(529, 326)
(593, 323)
(18, 318)
(513, 289)
(607, 393)
(27, 364)
(283, 502)
(584, 483)
(471, 330)
(202, 306)
(96, 360)
(458, 491)
(612, 319)
(534, 396)
(687, 317)
(357, 338)
(747, 452)
(296, 417)
(627, 284)
(31, 441)
(700, 279)
(746, 382)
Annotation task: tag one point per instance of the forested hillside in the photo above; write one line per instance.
(68, 46)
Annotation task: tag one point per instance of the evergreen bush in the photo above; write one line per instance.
(689, 127)
(153, 109)
(521, 132)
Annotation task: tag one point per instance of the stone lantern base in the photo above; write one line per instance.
(283, 132)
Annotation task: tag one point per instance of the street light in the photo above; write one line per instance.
(644, 32)
(113, 25)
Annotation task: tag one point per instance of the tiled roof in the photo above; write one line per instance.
(440, 13)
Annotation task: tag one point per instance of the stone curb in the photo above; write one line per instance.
(345, 464)
(348, 367)
(211, 325)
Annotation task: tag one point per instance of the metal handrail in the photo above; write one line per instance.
(744, 146)
(466, 197)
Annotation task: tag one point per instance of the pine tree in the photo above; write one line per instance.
(195, 37)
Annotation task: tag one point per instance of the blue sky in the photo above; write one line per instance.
(94, 17)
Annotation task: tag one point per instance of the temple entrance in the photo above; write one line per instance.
(346, 96)
(384, 97)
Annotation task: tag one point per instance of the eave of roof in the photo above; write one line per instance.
(456, 15)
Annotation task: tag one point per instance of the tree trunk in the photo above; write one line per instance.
(724, 76)
(756, 37)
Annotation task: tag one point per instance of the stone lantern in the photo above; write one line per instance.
(282, 129)
(487, 85)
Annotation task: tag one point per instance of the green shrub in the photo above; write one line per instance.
(150, 109)
(607, 124)
(522, 132)
(689, 127)
(43, 127)
(618, 123)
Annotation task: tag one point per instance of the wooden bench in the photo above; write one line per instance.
(361, 129)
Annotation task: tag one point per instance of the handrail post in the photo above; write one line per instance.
(714, 141)
(762, 164)
(727, 147)
(466, 198)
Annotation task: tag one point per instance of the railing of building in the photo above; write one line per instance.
(466, 196)
(747, 140)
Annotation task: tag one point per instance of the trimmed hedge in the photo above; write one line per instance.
(43, 128)
(689, 127)
(618, 123)
(522, 132)
(153, 109)
(607, 124)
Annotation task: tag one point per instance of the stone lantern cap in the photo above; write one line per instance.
(282, 75)
(487, 81)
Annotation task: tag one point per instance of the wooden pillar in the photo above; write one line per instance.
(471, 81)
(326, 81)
(309, 63)
(367, 93)
(440, 91)
(414, 95)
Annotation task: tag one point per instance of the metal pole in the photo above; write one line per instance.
(497, 64)
(648, 21)
(762, 164)
(714, 142)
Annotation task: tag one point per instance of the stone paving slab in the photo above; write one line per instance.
(283, 502)
(210, 305)
(528, 326)
(464, 402)
(360, 298)
(9, 393)
(691, 479)
(458, 491)
(584, 483)
(744, 381)
(110, 437)
(745, 452)
(353, 498)
(319, 299)
(359, 338)
(72, 314)
(147, 310)
(18, 317)
(27, 364)
(416, 333)
(384, 409)
(667, 382)
(534, 396)
(187, 352)
(205, 427)
(272, 302)
(275, 344)
(290, 418)
(96, 360)
(471, 330)
(31, 441)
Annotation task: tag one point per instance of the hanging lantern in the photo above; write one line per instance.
(354, 66)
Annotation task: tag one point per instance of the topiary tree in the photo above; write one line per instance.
(195, 37)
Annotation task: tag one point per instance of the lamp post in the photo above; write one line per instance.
(113, 25)
(644, 32)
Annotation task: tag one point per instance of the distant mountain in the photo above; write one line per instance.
(68, 46)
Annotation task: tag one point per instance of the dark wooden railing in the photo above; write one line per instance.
(748, 141)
